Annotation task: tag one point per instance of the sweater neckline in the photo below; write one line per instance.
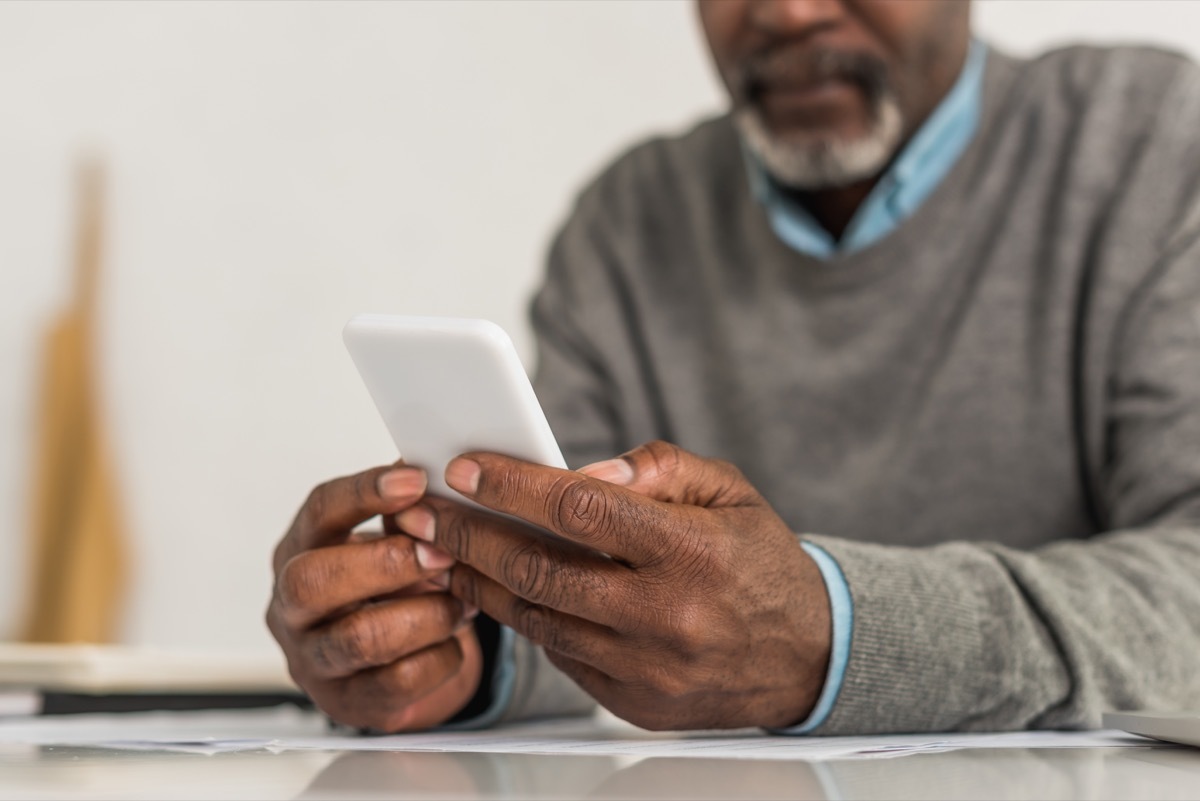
(853, 269)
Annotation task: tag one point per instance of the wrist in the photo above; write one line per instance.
(840, 627)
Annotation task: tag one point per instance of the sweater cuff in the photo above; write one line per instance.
(931, 646)
(841, 608)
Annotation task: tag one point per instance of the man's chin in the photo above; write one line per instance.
(809, 155)
(815, 139)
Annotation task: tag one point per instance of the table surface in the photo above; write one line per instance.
(60, 771)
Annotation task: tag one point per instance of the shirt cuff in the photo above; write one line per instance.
(841, 610)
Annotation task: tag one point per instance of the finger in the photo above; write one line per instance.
(379, 634)
(608, 518)
(537, 566)
(437, 583)
(315, 584)
(647, 707)
(378, 698)
(334, 508)
(581, 639)
(596, 683)
(668, 473)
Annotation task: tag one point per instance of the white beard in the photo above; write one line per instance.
(809, 163)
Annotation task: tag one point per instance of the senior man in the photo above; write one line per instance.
(922, 324)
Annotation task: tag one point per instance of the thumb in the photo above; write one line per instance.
(668, 473)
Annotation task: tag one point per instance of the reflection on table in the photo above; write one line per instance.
(1161, 772)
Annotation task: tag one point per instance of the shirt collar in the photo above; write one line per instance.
(913, 176)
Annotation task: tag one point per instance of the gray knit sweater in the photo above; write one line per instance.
(991, 418)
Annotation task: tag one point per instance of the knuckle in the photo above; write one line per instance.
(299, 584)
(666, 682)
(579, 507)
(665, 456)
(672, 685)
(524, 570)
(354, 643)
(454, 534)
(728, 470)
(316, 505)
(395, 555)
(320, 655)
(734, 481)
(730, 487)
(277, 625)
(362, 490)
(690, 633)
(532, 621)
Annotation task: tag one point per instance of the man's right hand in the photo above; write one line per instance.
(365, 622)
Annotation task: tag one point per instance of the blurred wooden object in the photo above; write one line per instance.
(77, 547)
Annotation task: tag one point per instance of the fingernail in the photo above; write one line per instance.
(419, 522)
(614, 471)
(400, 485)
(470, 612)
(442, 580)
(463, 475)
(430, 558)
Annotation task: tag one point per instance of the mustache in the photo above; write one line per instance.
(794, 65)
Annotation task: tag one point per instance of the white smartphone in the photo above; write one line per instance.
(447, 385)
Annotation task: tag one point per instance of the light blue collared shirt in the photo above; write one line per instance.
(917, 171)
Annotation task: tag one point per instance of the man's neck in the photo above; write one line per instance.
(835, 208)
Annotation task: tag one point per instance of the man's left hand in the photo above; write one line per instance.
(672, 593)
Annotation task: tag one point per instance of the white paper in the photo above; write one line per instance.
(290, 730)
(588, 739)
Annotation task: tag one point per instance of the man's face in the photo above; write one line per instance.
(825, 91)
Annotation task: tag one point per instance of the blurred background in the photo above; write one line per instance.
(270, 170)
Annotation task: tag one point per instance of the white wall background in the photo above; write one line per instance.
(278, 167)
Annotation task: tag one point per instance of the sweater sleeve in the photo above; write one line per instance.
(976, 636)
(575, 382)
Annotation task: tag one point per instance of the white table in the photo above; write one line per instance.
(38, 769)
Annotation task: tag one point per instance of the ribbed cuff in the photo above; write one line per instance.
(933, 641)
